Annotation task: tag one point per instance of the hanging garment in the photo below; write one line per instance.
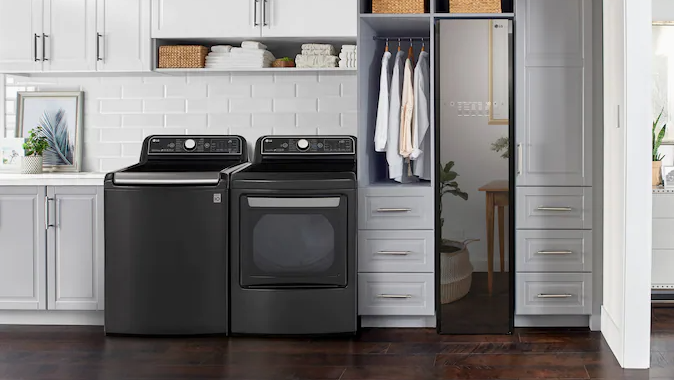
(421, 123)
(381, 127)
(393, 157)
(406, 111)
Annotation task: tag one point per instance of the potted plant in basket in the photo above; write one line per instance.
(456, 271)
(33, 147)
(657, 157)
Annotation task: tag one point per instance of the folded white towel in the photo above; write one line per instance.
(349, 47)
(347, 55)
(253, 45)
(347, 65)
(219, 56)
(327, 48)
(221, 48)
(316, 61)
(241, 52)
(318, 52)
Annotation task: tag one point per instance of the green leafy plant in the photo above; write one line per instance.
(36, 143)
(448, 185)
(502, 144)
(657, 137)
(286, 59)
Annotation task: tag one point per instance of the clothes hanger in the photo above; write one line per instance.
(410, 53)
(387, 44)
(398, 44)
(423, 45)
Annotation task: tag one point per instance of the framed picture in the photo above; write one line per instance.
(11, 151)
(59, 115)
(499, 86)
(668, 176)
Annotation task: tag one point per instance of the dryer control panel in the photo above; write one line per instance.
(195, 145)
(309, 145)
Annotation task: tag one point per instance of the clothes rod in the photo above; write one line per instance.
(376, 38)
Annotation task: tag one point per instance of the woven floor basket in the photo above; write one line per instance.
(456, 271)
(474, 6)
(182, 57)
(397, 6)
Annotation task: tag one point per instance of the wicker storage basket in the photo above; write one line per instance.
(398, 6)
(182, 57)
(456, 271)
(475, 6)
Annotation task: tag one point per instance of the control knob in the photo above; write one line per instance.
(302, 144)
(189, 144)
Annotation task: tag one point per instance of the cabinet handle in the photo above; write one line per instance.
(44, 47)
(555, 252)
(47, 225)
(394, 253)
(555, 295)
(519, 159)
(394, 296)
(547, 208)
(37, 59)
(264, 13)
(255, 23)
(394, 209)
(98, 46)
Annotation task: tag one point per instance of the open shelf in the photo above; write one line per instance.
(397, 25)
(473, 15)
(255, 70)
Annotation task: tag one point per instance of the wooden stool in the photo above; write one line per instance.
(497, 196)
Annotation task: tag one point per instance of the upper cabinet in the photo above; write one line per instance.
(69, 35)
(20, 35)
(253, 18)
(554, 93)
(123, 35)
(206, 18)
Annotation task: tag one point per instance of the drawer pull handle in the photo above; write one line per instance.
(394, 253)
(545, 208)
(394, 209)
(555, 295)
(555, 252)
(395, 296)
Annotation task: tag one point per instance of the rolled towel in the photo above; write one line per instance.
(348, 48)
(253, 45)
(221, 48)
(347, 65)
(347, 55)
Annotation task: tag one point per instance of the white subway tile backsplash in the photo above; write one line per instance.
(164, 79)
(265, 120)
(229, 90)
(162, 131)
(207, 78)
(230, 120)
(300, 77)
(295, 105)
(97, 120)
(288, 130)
(121, 80)
(121, 105)
(112, 164)
(336, 77)
(187, 91)
(349, 89)
(274, 90)
(143, 121)
(131, 149)
(207, 106)
(250, 105)
(316, 119)
(306, 90)
(165, 106)
(187, 121)
(350, 120)
(103, 149)
(143, 91)
(250, 78)
(103, 92)
(338, 104)
(121, 135)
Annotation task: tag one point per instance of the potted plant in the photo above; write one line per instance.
(502, 144)
(456, 271)
(657, 157)
(33, 147)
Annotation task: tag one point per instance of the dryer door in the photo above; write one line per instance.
(293, 241)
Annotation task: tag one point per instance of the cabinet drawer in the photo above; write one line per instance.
(662, 233)
(396, 251)
(396, 209)
(554, 251)
(663, 205)
(554, 208)
(396, 294)
(553, 293)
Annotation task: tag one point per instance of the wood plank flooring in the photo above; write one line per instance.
(83, 353)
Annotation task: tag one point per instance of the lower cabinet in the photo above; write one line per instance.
(52, 248)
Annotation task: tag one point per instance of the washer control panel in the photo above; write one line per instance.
(309, 145)
(195, 145)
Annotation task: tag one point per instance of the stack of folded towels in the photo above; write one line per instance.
(251, 54)
(348, 57)
(316, 56)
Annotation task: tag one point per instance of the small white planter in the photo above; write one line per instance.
(31, 165)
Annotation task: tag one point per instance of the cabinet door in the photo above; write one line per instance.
(22, 248)
(554, 96)
(301, 18)
(70, 35)
(20, 35)
(75, 248)
(123, 38)
(206, 18)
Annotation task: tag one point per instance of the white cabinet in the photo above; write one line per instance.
(554, 97)
(22, 248)
(206, 18)
(302, 18)
(123, 35)
(69, 35)
(20, 35)
(75, 248)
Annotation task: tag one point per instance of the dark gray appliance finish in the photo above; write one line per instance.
(293, 233)
(166, 223)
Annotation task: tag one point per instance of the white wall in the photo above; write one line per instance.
(466, 140)
(121, 111)
(663, 10)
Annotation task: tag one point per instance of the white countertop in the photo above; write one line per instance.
(51, 179)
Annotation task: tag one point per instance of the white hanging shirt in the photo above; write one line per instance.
(381, 127)
(421, 136)
(393, 157)
(406, 111)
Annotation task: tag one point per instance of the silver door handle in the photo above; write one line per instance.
(394, 253)
(98, 46)
(555, 295)
(394, 209)
(547, 208)
(395, 296)
(519, 159)
(37, 59)
(554, 252)
(255, 23)
(44, 47)
(47, 225)
(264, 13)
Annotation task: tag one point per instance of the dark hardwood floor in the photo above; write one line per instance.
(74, 353)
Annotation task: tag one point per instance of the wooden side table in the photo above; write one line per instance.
(497, 196)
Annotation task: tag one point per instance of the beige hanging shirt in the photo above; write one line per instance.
(407, 111)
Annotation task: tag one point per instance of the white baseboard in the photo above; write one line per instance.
(595, 322)
(552, 321)
(611, 332)
(51, 317)
(398, 321)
